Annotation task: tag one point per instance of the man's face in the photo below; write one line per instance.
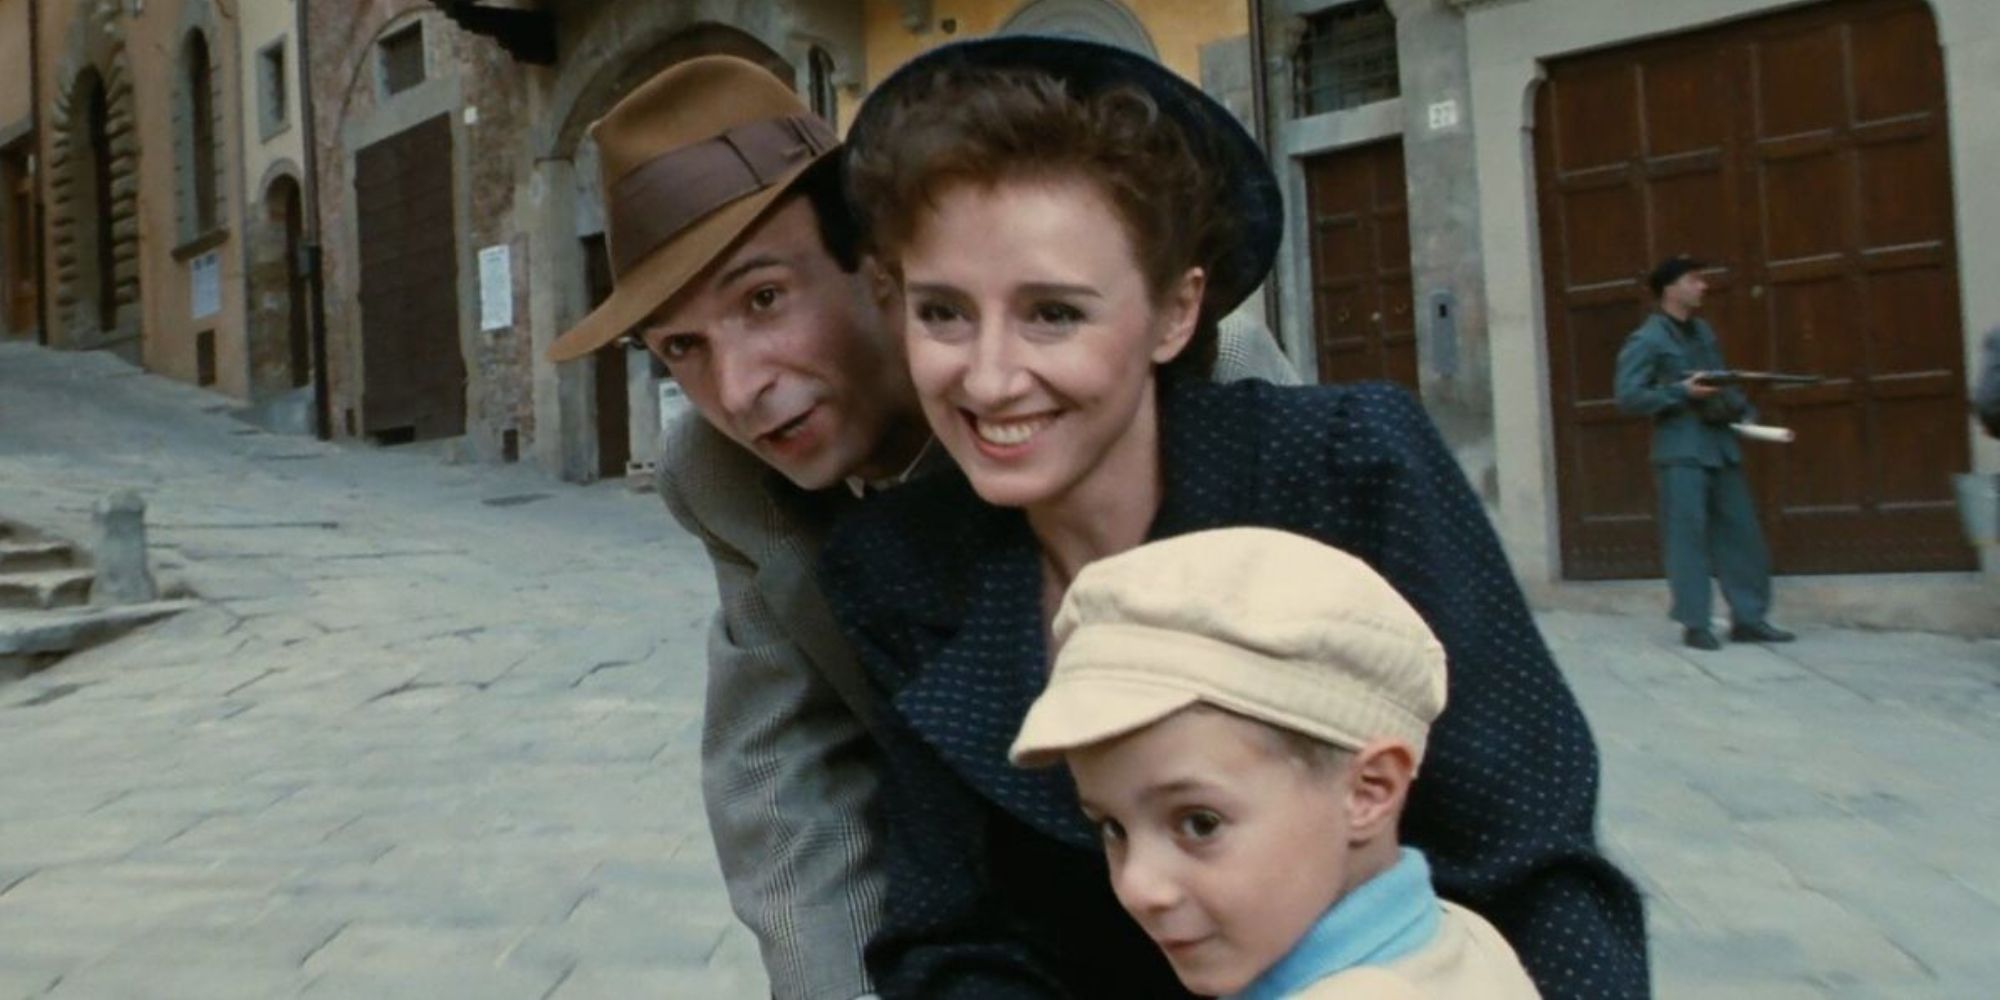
(788, 355)
(1223, 847)
(1688, 291)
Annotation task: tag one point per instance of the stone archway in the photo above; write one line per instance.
(280, 353)
(580, 404)
(93, 189)
(1098, 20)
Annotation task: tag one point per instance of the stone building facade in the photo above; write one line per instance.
(1478, 226)
(480, 136)
(139, 159)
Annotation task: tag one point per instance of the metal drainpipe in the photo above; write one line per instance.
(309, 243)
(1260, 100)
(36, 212)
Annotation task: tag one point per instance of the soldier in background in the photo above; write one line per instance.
(1708, 525)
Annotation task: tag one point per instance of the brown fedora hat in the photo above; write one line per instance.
(690, 160)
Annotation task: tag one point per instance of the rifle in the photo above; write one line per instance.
(1732, 376)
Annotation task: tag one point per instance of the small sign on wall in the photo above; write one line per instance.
(205, 275)
(1444, 115)
(496, 288)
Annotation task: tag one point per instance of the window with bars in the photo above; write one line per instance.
(402, 59)
(1347, 58)
(819, 80)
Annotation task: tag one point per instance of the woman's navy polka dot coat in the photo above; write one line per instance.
(997, 887)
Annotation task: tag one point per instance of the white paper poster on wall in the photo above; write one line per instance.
(205, 272)
(496, 288)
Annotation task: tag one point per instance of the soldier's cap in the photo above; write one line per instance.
(1673, 269)
(1265, 624)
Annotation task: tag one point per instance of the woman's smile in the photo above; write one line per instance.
(1009, 432)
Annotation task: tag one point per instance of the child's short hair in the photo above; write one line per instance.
(1270, 626)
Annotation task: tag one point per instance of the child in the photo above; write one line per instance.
(1243, 711)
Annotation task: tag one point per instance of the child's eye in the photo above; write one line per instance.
(1199, 824)
(1109, 831)
(764, 298)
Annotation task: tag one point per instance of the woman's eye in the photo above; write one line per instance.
(1109, 831)
(935, 313)
(1200, 824)
(1056, 314)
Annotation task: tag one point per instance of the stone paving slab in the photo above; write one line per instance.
(411, 743)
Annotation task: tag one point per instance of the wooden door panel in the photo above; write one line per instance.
(1598, 232)
(413, 368)
(1806, 153)
(1682, 90)
(1602, 94)
(1799, 80)
(1364, 323)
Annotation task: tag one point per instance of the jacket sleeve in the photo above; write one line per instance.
(1248, 349)
(789, 779)
(945, 935)
(1636, 384)
(1506, 803)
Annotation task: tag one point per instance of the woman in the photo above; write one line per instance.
(1069, 221)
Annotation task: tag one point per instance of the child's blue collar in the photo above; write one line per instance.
(1387, 917)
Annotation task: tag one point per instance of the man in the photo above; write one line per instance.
(1707, 523)
(735, 255)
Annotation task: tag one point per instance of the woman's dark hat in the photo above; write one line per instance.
(1214, 135)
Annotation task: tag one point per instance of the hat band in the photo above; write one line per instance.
(655, 201)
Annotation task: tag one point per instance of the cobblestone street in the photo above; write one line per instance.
(431, 730)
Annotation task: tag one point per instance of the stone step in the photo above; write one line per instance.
(66, 630)
(19, 555)
(49, 588)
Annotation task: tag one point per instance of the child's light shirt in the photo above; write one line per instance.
(1393, 938)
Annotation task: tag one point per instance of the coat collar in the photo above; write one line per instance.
(983, 650)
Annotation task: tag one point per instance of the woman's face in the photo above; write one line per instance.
(1032, 338)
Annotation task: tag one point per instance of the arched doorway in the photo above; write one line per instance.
(280, 352)
(92, 203)
(1098, 20)
(97, 252)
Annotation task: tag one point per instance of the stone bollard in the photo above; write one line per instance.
(122, 576)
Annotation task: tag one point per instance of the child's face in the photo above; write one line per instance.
(1225, 848)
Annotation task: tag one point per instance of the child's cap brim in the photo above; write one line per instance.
(1085, 709)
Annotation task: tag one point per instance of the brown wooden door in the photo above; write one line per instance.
(1807, 154)
(413, 370)
(614, 404)
(1363, 321)
(298, 337)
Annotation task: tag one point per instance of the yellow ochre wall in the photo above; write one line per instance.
(1179, 28)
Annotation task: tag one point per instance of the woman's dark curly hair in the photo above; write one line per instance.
(961, 125)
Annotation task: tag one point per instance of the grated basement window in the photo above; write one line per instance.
(1347, 58)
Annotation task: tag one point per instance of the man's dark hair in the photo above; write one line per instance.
(839, 230)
